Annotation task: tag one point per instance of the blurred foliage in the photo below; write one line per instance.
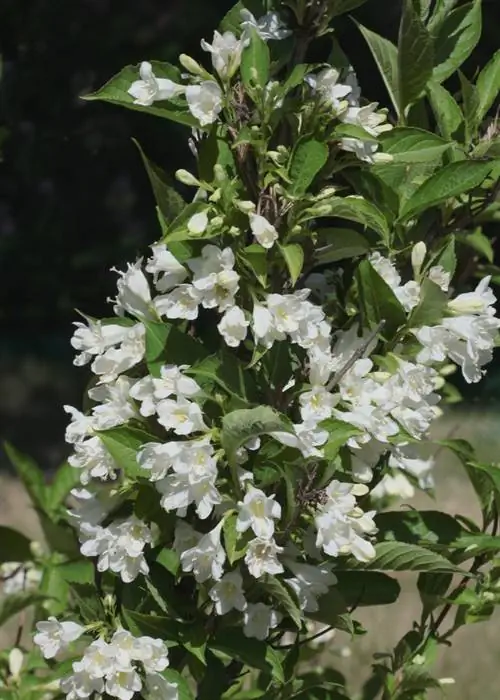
(74, 198)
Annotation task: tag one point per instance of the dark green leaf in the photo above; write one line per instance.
(17, 602)
(31, 476)
(330, 607)
(115, 91)
(228, 373)
(399, 556)
(410, 145)
(169, 201)
(367, 588)
(14, 546)
(65, 479)
(418, 527)
(294, 258)
(377, 300)
(283, 597)
(353, 208)
(166, 344)
(447, 113)
(415, 56)
(488, 86)
(341, 243)
(240, 426)
(340, 7)
(451, 181)
(86, 600)
(470, 101)
(456, 39)
(308, 158)
(431, 307)
(386, 58)
(252, 652)
(447, 257)
(255, 62)
(254, 257)
(123, 444)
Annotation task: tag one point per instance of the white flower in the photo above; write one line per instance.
(371, 121)
(477, 302)
(261, 557)
(214, 278)
(270, 26)
(409, 460)
(306, 437)
(330, 89)
(341, 524)
(206, 559)
(123, 683)
(258, 619)
(174, 382)
(227, 593)
(166, 269)
(81, 685)
(194, 486)
(226, 52)
(264, 232)
(408, 295)
(150, 89)
(264, 329)
(95, 338)
(310, 582)
(93, 459)
(385, 269)
(158, 458)
(182, 302)
(97, 662)
(393, 486)
(439, 276)
(116, 360)
(134, 295)
(182, 416)
(81, 426)
(116, 407)
(317, 405)
(53, 636)
(258, 511)
(233, 326)
(158, 688)
(204, 101)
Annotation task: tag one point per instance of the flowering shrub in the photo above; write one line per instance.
(273, 364)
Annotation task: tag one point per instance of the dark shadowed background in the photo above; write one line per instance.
(74, 198)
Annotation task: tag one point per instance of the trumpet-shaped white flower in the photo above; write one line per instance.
(123, 683)
(226, 52)
(158, 688)
(261, 557)
(439, 276)
(258, 619)
(227, 593)
(94, 461)
(204, 101)
(214, 279)
(181, 302)
(166, 269)
(306, 437)
(317, 405)
(371, 121)
(259, 512)
(341, 524)
(117, 360)
(182, 416)
(53, 636)
(80, 427)
(115, 406)
(327, 84)
(477, 302)
(310, 582)
(80, 685)
(95, 338)
(233, 326)
(206, 559)
(158, 458)
(268, 27)
(264, 232)
(134, 295)
(151, 89)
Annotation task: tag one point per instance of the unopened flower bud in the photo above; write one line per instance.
(418, 254)
(245, 206)
(191, 65)
(187, 178)
(36, 549)
(16, 658)
(382, 158)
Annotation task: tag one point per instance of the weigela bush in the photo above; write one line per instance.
(272, 365)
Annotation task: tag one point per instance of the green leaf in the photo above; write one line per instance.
(488, 86)
(447, 113)
(255, 62)
(386, 58)
(342, 243)
(254, 257)
(169, 559)
(54, 585)
(431, 307)
(86, 600)
(165, 343)
(353, 131)
(169, 201)
(417, 527)
(353, 208)
(14, 546)
(470, 101)
(240, 426)
(65, 479)
(225, 370)
(233, 544)
(330, 607)
(283, 597)
(252, 652)
(441, 11)
(450, 181)
(16, 603)
(308, 158)
(115, 92)
(400, 556)
(378, 301)
(123, 444)
(183, 689)
(294, 258)
(415, 56)
(411, 145)
(478, 242)
(31, 476)
(178, 230)
(456, 39)
(232, 20)
(367, 588)
(340, 7)
(339, 433)
(447, 257)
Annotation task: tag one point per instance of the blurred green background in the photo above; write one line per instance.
(74, 199)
